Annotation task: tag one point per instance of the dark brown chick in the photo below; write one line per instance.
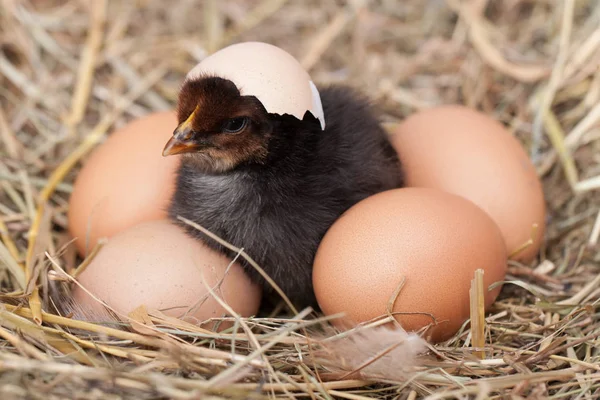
(273, 184)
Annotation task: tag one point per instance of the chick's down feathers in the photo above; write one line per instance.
(278, 206)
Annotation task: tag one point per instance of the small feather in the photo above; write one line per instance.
(373, 353)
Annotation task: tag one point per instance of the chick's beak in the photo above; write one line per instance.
(181, 142)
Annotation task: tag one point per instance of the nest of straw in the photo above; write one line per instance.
(72, 71)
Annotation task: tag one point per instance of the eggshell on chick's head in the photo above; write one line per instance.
(428, 242)
(158, 265)
(125, 181)
(462, 151)
(267, 72)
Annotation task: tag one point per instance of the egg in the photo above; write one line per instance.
(427, 240)
(125, 181)
(267, 72)
(158, 265)
(465, 152)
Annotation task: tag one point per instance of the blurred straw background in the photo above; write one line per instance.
(71, 71)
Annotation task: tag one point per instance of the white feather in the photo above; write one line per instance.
(376, 352)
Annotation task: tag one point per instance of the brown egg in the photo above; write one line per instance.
(433, 240)
(158, 265)
(462, 151)
(125, 181)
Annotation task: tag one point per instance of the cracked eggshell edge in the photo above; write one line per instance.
(271, 74)
(317, 106)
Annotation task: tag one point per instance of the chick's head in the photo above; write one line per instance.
(219, 128)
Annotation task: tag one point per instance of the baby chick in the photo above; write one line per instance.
(273, 184)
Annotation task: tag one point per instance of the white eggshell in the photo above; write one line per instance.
(274, 76)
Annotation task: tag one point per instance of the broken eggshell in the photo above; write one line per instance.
(267, 72)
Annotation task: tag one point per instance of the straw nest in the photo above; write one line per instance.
(72, 71)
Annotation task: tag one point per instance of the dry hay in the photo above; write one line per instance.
(71, 71)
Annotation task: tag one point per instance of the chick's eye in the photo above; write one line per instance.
(235, 125)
